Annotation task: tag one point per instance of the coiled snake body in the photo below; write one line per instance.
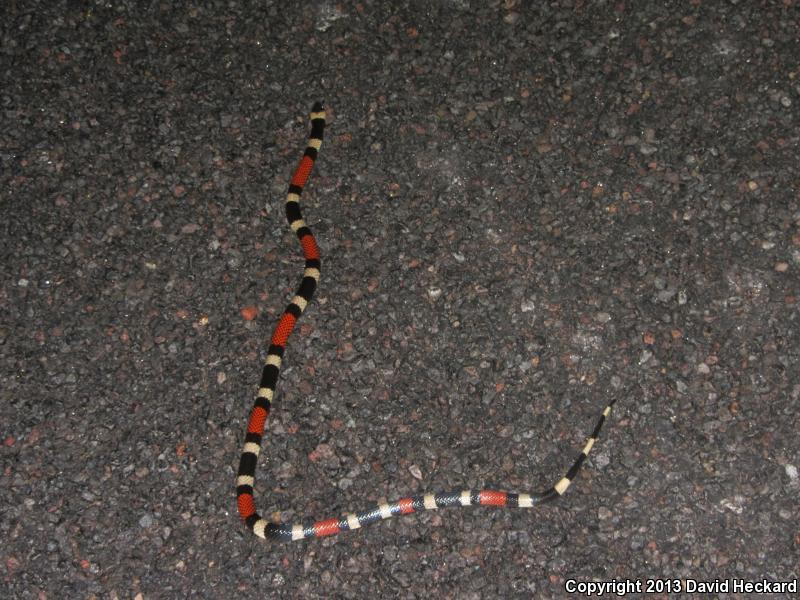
(269, 377)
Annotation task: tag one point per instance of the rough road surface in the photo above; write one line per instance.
(524, 210)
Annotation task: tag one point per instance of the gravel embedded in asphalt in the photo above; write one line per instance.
(524, 210)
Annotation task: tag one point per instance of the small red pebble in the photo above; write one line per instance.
(321, 452)
(9, 441)
(249, 313)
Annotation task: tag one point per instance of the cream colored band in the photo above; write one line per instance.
(352, 521)
(252, 448)
(297, 532)
(300, 302)
(259, 528)
(562, 485)
(525, 501)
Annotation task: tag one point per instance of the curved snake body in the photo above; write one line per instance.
(269, 377)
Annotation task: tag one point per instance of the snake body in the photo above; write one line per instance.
(258, 416)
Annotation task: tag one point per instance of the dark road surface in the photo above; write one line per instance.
(524, 210)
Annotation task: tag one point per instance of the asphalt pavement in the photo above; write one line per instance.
(524, 210)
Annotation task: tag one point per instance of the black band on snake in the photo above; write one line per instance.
(269, 377)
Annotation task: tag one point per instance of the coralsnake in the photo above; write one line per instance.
(269, 377)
